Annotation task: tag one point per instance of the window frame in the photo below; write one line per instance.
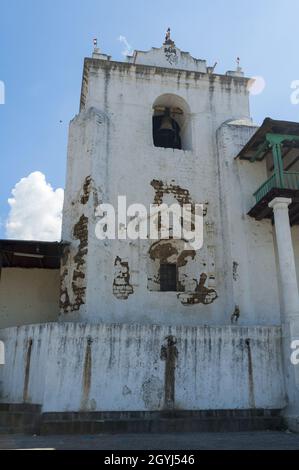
(173, 281)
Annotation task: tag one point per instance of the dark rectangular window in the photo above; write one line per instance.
(168, 277)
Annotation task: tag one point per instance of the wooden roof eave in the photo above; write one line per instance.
(257, 146)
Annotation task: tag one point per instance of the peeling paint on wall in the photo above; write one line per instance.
(235, 270)
(73, 264)
(192, 291)
(71, 301)
(181, 195)
(202, 294)
(88, 189)
(164, 251)
(235, 315)
(121, 283)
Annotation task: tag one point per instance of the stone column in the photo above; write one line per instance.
(290, 305)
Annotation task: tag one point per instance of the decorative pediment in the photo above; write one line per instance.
(168, 56)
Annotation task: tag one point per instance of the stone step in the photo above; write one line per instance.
(167, 425)
(26, 418)
(6, 430)
(32, 407)
(161, 414)
(19, 418)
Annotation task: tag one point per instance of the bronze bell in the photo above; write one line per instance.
(166, 124)
(167, 133)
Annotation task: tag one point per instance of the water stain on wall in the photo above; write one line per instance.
(250, 374)
(86, 378)
(152, 393)
(27, 370)
(169, 354)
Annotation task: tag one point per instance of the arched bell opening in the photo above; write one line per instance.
(171, 122)
(166, 130)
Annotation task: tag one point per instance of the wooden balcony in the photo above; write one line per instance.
(277, 144)
(274, 187)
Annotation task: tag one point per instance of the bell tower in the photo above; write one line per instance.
(151, 323)
(146, 130)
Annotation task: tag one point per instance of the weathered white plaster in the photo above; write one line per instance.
(112, 311)
(249, 263)
(295, 240)
(126, 372)
(111, 141)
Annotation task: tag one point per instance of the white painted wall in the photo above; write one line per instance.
(111, 140)
(247, 242)
(126, 372)
(295, 238)
(28, 296)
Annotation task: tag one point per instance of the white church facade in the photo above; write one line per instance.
(146, 325)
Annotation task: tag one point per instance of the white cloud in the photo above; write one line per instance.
(128, 50)
(35, 210)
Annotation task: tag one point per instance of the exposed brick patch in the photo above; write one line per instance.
(161, 188)
(201, 295)
(88, 189)
(121, 284)
(78, 284)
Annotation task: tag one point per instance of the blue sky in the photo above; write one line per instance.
(43, 44)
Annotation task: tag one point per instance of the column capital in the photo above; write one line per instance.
(280, 203)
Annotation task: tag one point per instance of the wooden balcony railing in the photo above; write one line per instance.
(289, 180)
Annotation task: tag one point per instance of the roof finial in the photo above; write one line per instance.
(95, 44)
(239, 69)
(167, 37)
(168, 40)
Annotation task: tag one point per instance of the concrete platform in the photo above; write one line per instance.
(28, 419)
(166, 421)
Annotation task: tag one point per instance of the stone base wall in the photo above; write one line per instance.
(113, 367)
